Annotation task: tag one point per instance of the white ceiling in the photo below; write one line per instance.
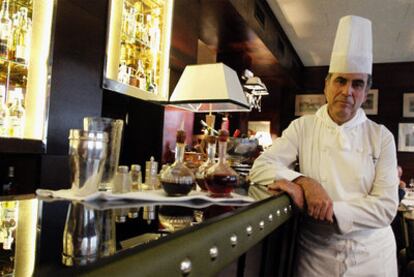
(311, 27)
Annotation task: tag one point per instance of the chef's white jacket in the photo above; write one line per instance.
(356, 165)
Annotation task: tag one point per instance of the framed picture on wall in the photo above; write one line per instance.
(408, 105)
(308, 103)
(406, 137)
(370, 106)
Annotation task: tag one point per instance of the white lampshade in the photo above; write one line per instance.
(209, 87)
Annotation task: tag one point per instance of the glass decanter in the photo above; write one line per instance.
(221, 178)
(201, 171)
(178, 179)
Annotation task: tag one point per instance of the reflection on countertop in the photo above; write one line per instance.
(62, 237)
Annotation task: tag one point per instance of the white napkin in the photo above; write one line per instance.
(151, 196)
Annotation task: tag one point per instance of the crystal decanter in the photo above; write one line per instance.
(178, 179)
(221, 178)
(211, 154)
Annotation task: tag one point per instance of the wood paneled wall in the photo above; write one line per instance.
(392, 80)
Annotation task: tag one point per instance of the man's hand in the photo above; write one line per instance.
(319, 203)
(295, 191)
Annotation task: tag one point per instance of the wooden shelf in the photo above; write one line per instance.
(21, 146)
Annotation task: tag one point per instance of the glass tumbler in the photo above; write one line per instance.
(114, 128)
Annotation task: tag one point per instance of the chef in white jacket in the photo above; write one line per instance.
(347, 182)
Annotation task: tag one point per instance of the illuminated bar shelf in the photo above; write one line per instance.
(138, 48)
(30, 78)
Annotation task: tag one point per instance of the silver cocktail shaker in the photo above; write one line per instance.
(87, 154)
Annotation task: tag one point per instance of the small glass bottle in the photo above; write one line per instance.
(151, 175)
(140, 75)
(122, 181)
(221, 178)
(211, 154)
(17, 115)
(9, 185)
(23, 38)
(136, 177)
(5, 29)
(411, 184)
(178, 179)
(4, 113)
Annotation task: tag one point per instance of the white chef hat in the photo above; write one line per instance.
(352, 50)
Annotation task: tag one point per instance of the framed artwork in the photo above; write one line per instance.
(308, 103)
(259, 126)
(406, 137)
(370, 106)
(408, 105)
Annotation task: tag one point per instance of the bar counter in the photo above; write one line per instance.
(52, 238)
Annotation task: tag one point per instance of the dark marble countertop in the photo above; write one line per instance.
(69, 238)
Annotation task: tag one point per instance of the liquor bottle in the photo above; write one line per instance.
(17, 115)
(131, 25)
(4, 113)
(8, 224)
(123, 53)
(221, 178)
(5, 29)
(146, 39)
(202, 170)
(140, 21)
(123, 76)
(14, 36)
(178, 179)
(9, 184)
(132, 80)
(151, 86)
(23, 38)
(140, 75)
(155, 36)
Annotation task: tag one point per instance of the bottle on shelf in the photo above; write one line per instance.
(178, 179)
(140, 21)
(23, 39)
(5, 29)
(9, 216)
(17, 115)
(123, 76)
(14, 36)
(155, 36)
(9, 184)
(221, 179)
(140, 75)
(202, 170)
(131, 25)
(4, 113)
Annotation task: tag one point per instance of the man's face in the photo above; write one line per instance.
(345, 93)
